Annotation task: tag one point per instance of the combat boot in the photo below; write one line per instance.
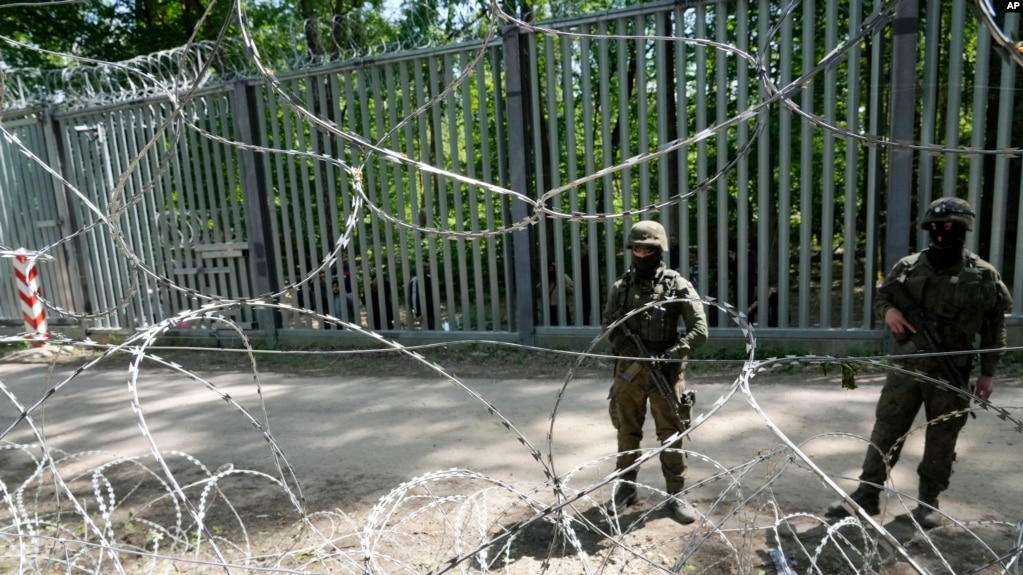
(869, 500)
(683, 512)
(927, 514)
(624, 496)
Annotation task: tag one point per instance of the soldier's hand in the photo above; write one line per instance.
(678, 351)
(985, 386)
(897, 322)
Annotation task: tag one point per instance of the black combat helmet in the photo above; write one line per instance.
(949, 210)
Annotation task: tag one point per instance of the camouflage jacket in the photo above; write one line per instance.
(657, 326)
(961, 302)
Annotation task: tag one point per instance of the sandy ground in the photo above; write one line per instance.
(352, 440)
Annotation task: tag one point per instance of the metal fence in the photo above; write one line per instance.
(770, 140)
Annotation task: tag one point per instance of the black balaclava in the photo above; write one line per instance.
(946, 246)
(646, 267)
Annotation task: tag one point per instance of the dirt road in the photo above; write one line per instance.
(343, 444)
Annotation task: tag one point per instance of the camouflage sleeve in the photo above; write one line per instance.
(693, 315)
(993, 333)
(884, 299)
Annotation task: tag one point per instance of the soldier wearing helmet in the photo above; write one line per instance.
(963, 301)
(663, 299)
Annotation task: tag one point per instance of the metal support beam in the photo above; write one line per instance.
(67, 218)
(257, 210)
(898, 221)
(518, 170)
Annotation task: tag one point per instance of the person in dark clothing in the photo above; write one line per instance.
(583, 288)
(382, 315)
(674, 255)
(941, 305)
(420, 298)
(348, 299)
(555, 302)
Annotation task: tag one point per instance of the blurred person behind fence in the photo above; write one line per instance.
(554, 299)
(420, 297)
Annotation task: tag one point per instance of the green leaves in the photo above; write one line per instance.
(848, 374)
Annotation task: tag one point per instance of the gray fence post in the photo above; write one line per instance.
(899, 196)
(257, 211)
(67, 219)
(898, 224)
(518, 171)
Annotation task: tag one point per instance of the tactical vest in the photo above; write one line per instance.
(656, 325)
(953, 299)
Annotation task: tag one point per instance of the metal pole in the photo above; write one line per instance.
(257, 212)
(518, 170)
(898, 224)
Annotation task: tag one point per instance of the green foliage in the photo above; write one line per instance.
(106, 31)
(1011, 364)
(118, 31)
(6, 348)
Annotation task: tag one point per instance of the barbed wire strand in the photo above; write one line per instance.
(470, 540)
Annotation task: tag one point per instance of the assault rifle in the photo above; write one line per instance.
(918, 318)
(664, 387)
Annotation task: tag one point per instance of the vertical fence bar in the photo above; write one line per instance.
(702, 209)
(504, 243)
(57, 158)
(474, 312)
(518, 170)
(1000, 184)
(784, 207)
(547, 156)
(610, 245)
(642, 112)
(443, 280)
(765, 184)
(584, 267)
(410, 269)
(571, 174)
(275, 172)
(624, 176)
(256, 202)
(423, 203)
(807, 135)
(829, 175)
(723, 202)
(954, 98)
(852, 184)
(873, 176)
(932, 39)
(386, 291)
(743, 219)
(682, 225)
(459, 158)
(903, 118)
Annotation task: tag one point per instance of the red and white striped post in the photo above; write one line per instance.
(31, 306)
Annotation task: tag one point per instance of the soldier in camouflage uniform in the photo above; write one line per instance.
(963, 298)
(653, 332)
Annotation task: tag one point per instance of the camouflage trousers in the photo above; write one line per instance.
(627, 407)
(901, 399)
